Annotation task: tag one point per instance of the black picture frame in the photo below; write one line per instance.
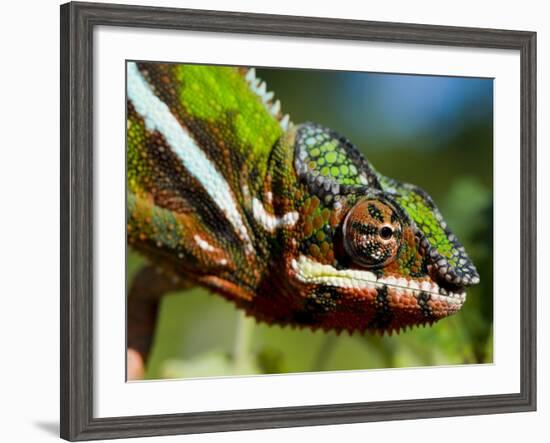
(77, 24)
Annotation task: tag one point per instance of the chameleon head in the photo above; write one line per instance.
(385, 258)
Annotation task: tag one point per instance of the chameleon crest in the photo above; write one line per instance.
(289, 222)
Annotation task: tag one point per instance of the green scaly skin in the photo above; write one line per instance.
(289, 222)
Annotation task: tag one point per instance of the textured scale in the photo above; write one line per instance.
(289, 222)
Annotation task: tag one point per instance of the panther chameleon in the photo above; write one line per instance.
(290, 222)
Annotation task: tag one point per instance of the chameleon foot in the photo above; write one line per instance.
(144, 296)
(135, 367)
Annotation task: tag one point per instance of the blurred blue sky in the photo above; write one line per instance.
(403, 106)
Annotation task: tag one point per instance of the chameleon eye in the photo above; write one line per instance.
(386, 232)
(372, 233)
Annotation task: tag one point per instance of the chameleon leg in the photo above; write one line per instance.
(146, 291)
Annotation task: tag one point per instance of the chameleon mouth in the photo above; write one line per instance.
(312, 272)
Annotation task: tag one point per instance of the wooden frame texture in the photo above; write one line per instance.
(77, 25)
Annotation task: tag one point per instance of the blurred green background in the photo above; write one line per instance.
(435, 132)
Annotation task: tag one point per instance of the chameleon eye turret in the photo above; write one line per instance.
(372, 233)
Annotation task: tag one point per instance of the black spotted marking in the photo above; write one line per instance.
(373, 247)
(422, 300)
(324, 299)
(375, 213)
(384, 315)
(365, 229)
(394, 217)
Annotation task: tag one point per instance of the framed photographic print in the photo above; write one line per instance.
(273, 221)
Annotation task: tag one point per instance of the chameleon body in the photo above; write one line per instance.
(288, 221)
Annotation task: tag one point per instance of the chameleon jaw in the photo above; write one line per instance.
(312, 272)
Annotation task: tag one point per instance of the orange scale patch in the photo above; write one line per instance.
(334, 219)
(308, 228)
(436, 305)
(314, 250)
(395, 299)
(438, 310)
(307, 208)
(314, 203)
(317, 222)
(370, 295)
(392, 269)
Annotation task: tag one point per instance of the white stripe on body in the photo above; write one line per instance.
(203, 244)
(271, 222)
(157, 117)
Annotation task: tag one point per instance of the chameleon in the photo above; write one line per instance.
(290, 222)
